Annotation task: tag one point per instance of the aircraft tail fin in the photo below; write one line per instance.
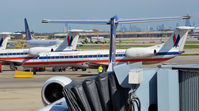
(70, 42)
(74, 42)
(27, 30)
(3, 43)
(177, 39)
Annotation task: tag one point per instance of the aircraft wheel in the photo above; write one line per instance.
(12, 67)
(34, 71)
(83, 69)
(74, 69)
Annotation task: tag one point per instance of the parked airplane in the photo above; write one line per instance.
(32, 42)
(15, 57)
(154, 54)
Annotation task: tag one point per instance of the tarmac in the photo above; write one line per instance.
(23, 94)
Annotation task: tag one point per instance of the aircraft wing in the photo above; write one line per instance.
(93, 64)
(121, 21)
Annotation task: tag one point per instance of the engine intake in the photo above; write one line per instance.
(52, 89)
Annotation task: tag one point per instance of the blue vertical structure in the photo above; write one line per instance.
(27, 30)
(112, 46)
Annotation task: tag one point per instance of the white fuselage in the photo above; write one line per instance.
(43, 43)
(17, 56)
(95, 57)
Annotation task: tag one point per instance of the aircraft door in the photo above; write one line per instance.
(48, 58)
(98, 56)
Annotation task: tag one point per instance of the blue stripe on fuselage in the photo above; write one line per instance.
(96, 56)
(167, 53)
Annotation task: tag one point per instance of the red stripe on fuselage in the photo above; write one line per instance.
(96, 61)
(16, 58)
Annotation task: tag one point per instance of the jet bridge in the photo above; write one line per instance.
(167, 88)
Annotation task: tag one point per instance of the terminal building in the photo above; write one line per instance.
(61, 35)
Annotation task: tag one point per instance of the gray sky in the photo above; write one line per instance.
(14, 11)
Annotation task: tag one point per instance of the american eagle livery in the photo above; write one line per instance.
(154, 54)
(16, 57)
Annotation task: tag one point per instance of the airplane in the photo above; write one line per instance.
(148, 55)
(32, 42)
(16, 57)
(54, 99)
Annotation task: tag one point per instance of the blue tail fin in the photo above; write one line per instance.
(27, 30)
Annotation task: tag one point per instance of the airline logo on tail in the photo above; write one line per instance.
(70, 39)
(176, 40)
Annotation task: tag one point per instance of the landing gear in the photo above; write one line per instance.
(74, 69)
(13, 67)
(34, 71)
(83, 69)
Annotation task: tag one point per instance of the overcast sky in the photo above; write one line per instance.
(14, 11)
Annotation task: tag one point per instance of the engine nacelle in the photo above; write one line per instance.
(52, 89)
(35, 51)
(140, 52)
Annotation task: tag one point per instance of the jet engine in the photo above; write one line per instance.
(52, 89)
(140, 52)
(35, 51)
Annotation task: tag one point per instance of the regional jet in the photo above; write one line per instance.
(15, 57)
(154, 54)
